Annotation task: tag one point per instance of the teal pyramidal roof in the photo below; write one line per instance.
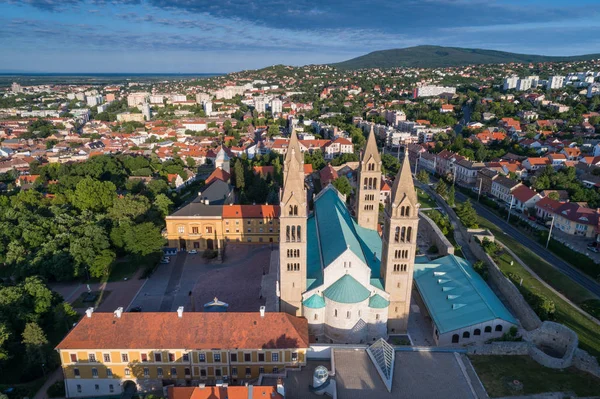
(332, 230)
(456, 296)
(347, 290)
(378, 302)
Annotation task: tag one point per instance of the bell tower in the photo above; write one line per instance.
(292, 231)
(369, 185)
(399, 247)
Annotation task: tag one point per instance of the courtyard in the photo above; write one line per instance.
(190, 280)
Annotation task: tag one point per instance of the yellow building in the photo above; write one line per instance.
(106, 353)
(201, 226)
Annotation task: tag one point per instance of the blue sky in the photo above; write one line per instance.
(191, 36)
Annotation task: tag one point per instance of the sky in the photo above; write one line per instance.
(205, 36)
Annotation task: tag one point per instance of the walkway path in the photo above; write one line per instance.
(55, 376)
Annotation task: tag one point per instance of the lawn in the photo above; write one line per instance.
(587, 330)
(497, 372)
(425, 200)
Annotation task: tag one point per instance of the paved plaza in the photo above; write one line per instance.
(236, 281)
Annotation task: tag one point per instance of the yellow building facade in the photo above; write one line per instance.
(104, 369)
(199, 226)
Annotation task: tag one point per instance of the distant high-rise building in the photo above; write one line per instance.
(207, 105)
(260, 105)
(178, 97)
(146, 111)
(593, 90)
(80, 96)
(276, 106)
(134, 99)
(510, 83)
(93, 101)
(16, 88)
(432, 91)
(201, 98)
(555, 82)
(523, 84)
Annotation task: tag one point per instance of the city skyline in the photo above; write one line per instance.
(154, 36)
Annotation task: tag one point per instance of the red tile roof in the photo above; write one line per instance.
(250, 211)
(230, 392)
(523, 193)
(165, 330)
(548, 204)
(218, 174)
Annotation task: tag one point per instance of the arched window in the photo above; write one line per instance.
(335, 313)
(455, 339)
(316, 316)
(488, 329)
(499, 327)
(397, 236)
(403, 234)
(293, 228)
(466, 334)
(291, 210)
(407, 211)
(287, 233)
(477, 331)
(401, 211)
(298, 234)
(295, 210)
(348, 314)
(365, 183)
(408, 234)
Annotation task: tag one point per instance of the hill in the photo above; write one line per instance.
(437, 56)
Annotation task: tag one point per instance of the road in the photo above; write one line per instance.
(568, 270)
(467, 110)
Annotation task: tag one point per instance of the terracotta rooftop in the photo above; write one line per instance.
(250, 211)
(230, 392)
(165, 330)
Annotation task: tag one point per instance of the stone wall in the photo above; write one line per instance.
(435, 235)
(558, 340)
(500, 348)
(511, 294)
(586, 362)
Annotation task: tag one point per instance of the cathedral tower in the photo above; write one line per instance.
(292, 231)
(399, 247)
(369, 185)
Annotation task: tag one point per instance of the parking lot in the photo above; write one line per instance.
(236, 281)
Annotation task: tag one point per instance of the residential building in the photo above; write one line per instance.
(276, 106)
(533, 164)
(510, 83)
(466, 172)
(105, 353)
(208, 108)
(555, 82)
(135, 99)
(93, 101)
(524, 198)
(502, 188)
(432, 91)
(485, 177)
(130, 117)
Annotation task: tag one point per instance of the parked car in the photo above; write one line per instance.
(164, 261)
(531, 218)
(136, 309)
(192, 252)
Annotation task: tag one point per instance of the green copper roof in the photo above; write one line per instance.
(378, 302)
(456, 296)
(377, 283)
(346, 290)
(336, 231)
(314, 302)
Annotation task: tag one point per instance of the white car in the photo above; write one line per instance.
(192, 252)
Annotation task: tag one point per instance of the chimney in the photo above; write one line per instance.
(180, 312)
(280, 389)
(89, 312)
(250, 392)
(262, 311)
(118, 312)
(202, 385)
(206, 202)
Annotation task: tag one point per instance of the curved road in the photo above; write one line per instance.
(577, 276)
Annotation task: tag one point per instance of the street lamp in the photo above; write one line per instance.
(550, 233)
(479, 194)
(512, 197)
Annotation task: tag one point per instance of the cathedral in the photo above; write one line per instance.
(352, 284)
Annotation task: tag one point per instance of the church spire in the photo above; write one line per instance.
(371, 148)
(404, 187)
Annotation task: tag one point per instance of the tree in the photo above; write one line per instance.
(238, 173)
(467, 214)
(423, 176)
(35, 341)
(441, 188)
(191, 162)
(451, 194)
(94, 195)
(163, 204)
(143, 239)
(4, 336)
(390, 164)
(342, 184)
(129, 207)
(101, 264)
